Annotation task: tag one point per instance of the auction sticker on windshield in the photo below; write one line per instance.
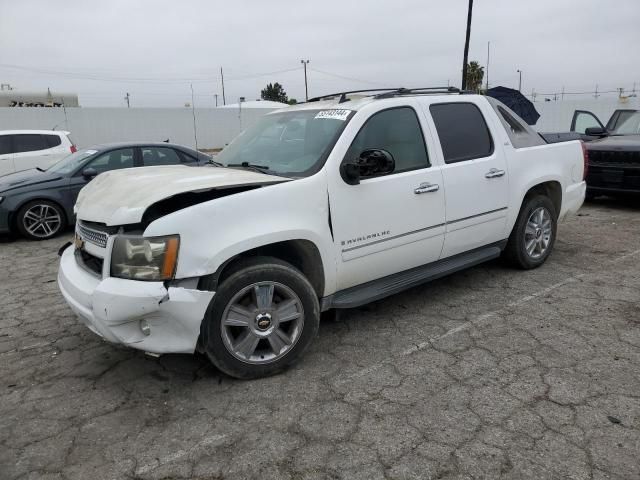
(335, 114)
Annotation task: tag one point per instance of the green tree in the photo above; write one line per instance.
(292, 101)
(275, 93)
(475, 75)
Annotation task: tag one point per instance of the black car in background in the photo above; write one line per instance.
(614, 151)
(39, 203)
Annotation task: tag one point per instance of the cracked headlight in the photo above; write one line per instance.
(139, 258)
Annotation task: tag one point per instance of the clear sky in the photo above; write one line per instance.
(154, 49)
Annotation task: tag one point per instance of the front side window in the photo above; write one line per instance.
(463, 132)
(155, 156)
(584, 120)
(397, 131)
(29, 143)
(293, 144)
(113, 160)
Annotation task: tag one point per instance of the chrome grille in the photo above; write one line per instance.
(93, 236)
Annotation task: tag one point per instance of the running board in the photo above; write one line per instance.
(383, 287)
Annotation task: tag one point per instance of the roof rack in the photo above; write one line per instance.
(392, 92)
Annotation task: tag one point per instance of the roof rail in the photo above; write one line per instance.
(392, 92)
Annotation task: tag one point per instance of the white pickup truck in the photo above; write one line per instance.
(334, 203)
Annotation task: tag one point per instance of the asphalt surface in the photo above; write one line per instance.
(490, 373)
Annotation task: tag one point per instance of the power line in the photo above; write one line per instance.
(343, 77)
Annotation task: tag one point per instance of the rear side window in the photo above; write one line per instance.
(30, 142)
(114, 160)
(52, 140)
(463, 132)
(514, 125)
(155, 156)
(5, 144)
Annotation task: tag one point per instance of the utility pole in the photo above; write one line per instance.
(488, 46)
(562, 97)
(533, 94)
(520, 81)
(224, 100)
(466, 47)
(127, 99)
(215, 95)
(620, 92)
(596, 94)
(306, 89)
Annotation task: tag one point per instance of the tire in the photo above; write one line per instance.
(245, 341)
(517, 252)
(40, 220)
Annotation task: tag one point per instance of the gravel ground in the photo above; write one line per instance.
(490, 373)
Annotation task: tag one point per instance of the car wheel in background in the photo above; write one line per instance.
(40, 220)
(534, 233)
(261, 320)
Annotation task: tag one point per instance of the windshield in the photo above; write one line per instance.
(69, 163)
(289, 143)
(631, 126)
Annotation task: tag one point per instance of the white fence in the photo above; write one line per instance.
(217, 126)
(90, 126)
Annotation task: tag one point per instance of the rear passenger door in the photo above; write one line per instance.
(475, 177)
(6, 155)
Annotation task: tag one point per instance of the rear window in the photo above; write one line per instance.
(52, 140)
(29, 142)
(463, 132)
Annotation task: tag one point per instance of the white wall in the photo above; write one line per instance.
(556, 116)
(91, 126)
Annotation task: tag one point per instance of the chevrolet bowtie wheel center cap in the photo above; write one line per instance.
(263, 321)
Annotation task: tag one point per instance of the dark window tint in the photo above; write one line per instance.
(514, 125)
(463, 133)
(52, 140)
(397, 131)
(186, 158)
(29, 143)
(113, 160)
(153, 156)
(5, 144)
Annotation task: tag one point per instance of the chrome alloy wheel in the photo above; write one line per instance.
(537, 234)
(42, 221)
(262, 322)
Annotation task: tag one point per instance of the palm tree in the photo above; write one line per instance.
(475, 75)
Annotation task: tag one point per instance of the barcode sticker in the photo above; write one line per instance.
(335, 114)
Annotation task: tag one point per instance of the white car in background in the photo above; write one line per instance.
(26, 149)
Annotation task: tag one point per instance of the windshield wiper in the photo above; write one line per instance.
(250, 166)
(213, 162)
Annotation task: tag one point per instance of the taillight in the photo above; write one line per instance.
(585, 157)
(73, 149)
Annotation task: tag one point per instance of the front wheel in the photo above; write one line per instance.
(534, 233)
(40, 220)
(261, 320)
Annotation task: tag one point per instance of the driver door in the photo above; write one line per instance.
(389, 223)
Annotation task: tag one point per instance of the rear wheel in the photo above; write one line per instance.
(534, 233)
(261, 320)
(40, 220)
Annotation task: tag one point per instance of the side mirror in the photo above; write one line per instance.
(596, 132)
(370, 163)
(89, 173)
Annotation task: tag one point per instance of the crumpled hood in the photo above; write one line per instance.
(121, 197)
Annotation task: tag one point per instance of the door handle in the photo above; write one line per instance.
(426, 188)
(494, 173)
